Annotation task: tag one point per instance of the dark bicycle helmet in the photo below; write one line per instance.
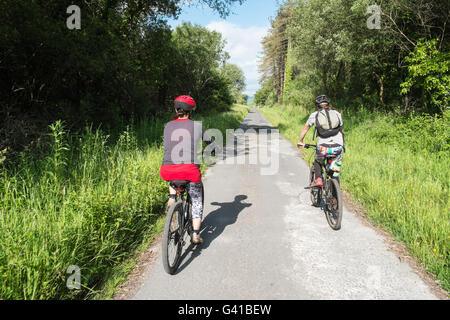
(185, 103)
(322, 98)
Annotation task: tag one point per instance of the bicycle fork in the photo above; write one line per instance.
(322, 194)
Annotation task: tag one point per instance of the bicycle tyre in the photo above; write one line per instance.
(315, 193)
(173, 216)
(333, 210)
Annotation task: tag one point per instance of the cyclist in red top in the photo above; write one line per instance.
(181, 161)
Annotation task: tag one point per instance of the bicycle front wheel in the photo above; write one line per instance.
(172, 238)
(333, 210)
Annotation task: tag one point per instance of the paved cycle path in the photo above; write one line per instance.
(264, 240)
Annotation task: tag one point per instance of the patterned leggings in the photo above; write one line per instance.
(195, 192)
(333, 164)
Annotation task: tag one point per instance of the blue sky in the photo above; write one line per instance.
(243, 30)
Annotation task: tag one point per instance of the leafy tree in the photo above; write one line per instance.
(235, 77)
(275, 44)
(331, 50)
(429, 74)
(122, 64)
(264, 96)
(244, 99)
(200, 53)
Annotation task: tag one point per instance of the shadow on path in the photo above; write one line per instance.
(217, 220)
(214, 224)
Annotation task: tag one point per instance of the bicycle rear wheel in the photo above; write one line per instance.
(333, 209)
(172, 238)
(315, 193)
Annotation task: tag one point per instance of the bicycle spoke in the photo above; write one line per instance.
(172, 246)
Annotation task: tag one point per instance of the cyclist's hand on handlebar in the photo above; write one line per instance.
(300, 145)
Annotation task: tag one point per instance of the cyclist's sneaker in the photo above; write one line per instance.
(317, 183)
(196, 239)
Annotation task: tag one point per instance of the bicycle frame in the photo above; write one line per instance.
(183, 196)
(330, 202)
(326, 178)
(178, 222)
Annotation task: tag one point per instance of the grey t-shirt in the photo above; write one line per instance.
(182, 142)
(337, 139)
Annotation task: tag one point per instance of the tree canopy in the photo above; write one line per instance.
(236, 80)
(328, 46)
(124, 62)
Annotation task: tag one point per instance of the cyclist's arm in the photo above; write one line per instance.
(303, 134)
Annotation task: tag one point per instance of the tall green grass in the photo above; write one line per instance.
(86, 200)
(398, 168)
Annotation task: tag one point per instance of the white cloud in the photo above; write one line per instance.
(244, 47)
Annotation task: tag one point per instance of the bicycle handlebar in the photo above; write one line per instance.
(308, 146)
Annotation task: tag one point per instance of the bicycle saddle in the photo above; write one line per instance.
(179, 183)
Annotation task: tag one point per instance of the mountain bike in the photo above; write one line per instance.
(178, 224)
(331, 203)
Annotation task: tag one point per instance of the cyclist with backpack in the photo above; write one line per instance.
(328, 126)
(182, 139)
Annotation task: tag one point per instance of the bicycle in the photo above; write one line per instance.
(332, 203)
(178, 223)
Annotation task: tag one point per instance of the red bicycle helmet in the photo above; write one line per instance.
(186, 103)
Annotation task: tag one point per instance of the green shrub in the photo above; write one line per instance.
(429, 74)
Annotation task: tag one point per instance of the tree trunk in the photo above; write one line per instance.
(380, 81)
